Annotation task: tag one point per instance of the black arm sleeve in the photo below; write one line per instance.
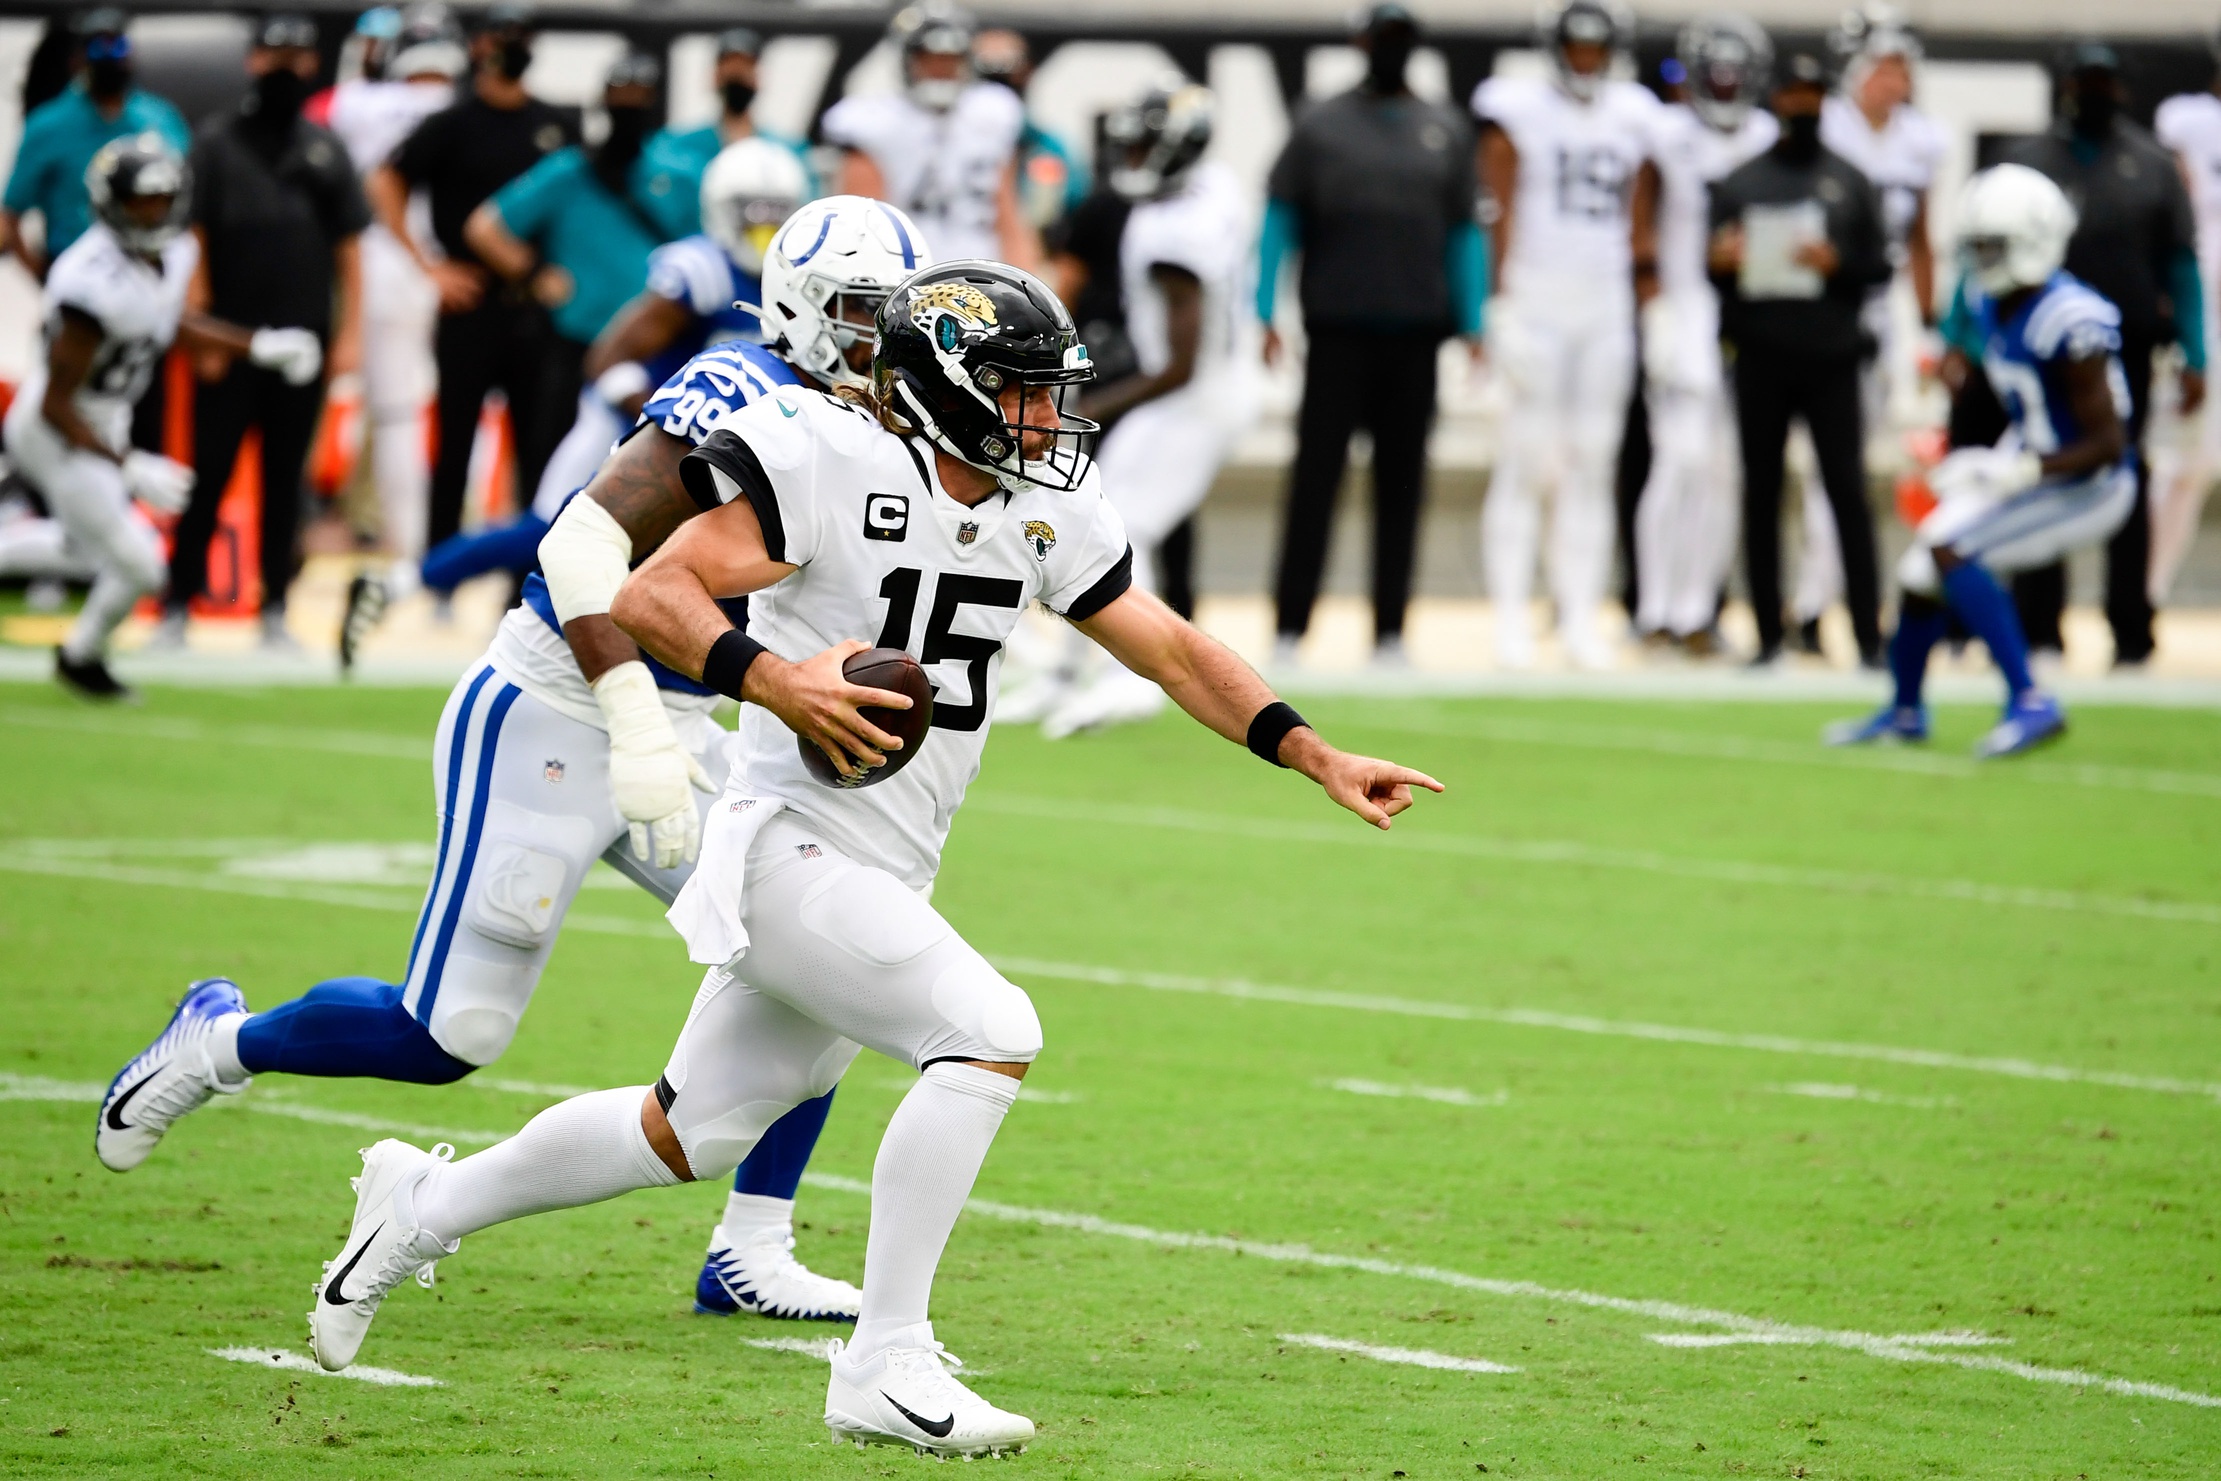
(724, 467)
(1109, 589)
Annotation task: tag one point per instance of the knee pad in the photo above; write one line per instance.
(479, 1008)
(989, 1016)
(1917, 573)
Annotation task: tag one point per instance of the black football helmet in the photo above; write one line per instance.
(953, 338)
(1729, 62)
(1160, 135)
(1606, 23)
(134, 168)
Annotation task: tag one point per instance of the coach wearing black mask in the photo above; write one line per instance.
(2134, 243)
(491, 332)
(279, 212)
(1796, 244)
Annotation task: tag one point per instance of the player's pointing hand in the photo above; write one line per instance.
(1375, 790)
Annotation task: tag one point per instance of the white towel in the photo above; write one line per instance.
(707, 911)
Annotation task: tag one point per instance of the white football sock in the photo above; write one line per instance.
(589, 1148)
(750, 1216)
(223, 1048)
(927, 1164)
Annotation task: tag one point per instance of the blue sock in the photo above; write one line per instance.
(774, 1168)
(1983, 605)
(350, 1026)
(1920, 626)
(514, 546)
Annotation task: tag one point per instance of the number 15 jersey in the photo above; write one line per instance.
(885, 556)
(1577, 165)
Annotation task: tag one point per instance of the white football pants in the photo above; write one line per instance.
(86, 495)
(839, 954)
(2033, 528)
(1568, 359)
(33, 549)
(524, 808)
(400, 313)
(1687, 517)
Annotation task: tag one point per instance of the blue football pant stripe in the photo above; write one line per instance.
(456, 739)
(489, 741)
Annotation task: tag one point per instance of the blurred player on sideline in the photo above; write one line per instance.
(408, 75)
(561, 745)
(2190, 125)
(1187, 275)
(945, 148)
(1561, 158)
(1685, 525)
(1052, 181)
(114, 300)
(1872, 122)
(2062, 478)
(808, 908)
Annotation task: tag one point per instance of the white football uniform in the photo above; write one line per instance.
(1562, 335)
(1159, 459)
(944, 168)
(1685, 524)
(137, 306)
(830, 943)
(400, 308)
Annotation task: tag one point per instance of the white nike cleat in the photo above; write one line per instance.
(169, 1078)
(763, 1276)
(907, 1396)
(384, 1248)
(1120, 697)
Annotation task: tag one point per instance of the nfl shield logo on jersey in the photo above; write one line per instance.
(1042, 537)
(967, 532)
(552, 770)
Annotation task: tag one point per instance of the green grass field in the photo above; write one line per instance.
(1583, 1056)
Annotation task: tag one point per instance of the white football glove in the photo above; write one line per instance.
(1984, 474)
(652, 778)
(164, 485)
(623, 381)
(293, 353)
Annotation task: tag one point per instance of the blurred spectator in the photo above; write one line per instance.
(1565, 160)
(410, 62)
(279, 212)
(1797, 243)
(944, 148)
(2136, 244)
(1051, 179)
(1375, 189)
(2190, 125)
(63, 134)
(489, 334)
(672, 164)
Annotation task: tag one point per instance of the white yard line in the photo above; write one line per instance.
(1446, 1096)
(1872, 1344)
(1816, 1090)
(820, 1348)
(294, 1362)
(89, 1092)
(1416, 1357)
(1586, 856)
(1793, 1339)
(1236, 987)
(383, 744)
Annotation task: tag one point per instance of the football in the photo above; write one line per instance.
(880, 668)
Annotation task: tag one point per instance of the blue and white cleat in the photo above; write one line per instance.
(1902, 724)
(2029, 721)
(171, 1076)
(763, 1276)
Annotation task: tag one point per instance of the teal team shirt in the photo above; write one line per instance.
(574, 223)
(60, 139)
(667, 180)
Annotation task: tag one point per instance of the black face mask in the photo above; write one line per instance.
(2093, 111)
(628, 131)
(738, 96)
(1800, 138)
(109, 78)
(514, 57)
(279, 95)
(1390, 55)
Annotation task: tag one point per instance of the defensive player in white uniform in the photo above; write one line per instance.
(409, 75)
(1561, 157)
(808, 906)
(2190, 125)
(2062, 478)
(546, 759)
(1686, 520)
(114, 300)
(1186, 263)
(1872, 123)
(945, 148)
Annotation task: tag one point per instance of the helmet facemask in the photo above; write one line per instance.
(128, 174)
(849, 315)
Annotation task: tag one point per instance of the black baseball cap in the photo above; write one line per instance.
(635, 69)
(2092, 56)
(1385, 17)
(739, 41)
(504, 18)
(286, 29)
(1803, 69)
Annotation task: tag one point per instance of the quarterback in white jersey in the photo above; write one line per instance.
(924, 514)
(113, 303)
(944, 149)
(1187, 266)
(1686, 519)
(1562, 157)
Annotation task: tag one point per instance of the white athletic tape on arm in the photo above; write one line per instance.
(633, 709)
(585, 556)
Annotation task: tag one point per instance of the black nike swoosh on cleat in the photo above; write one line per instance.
(331, 1287)
(115, 1109)
(937, 1428)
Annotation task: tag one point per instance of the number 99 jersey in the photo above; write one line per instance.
(885, 556)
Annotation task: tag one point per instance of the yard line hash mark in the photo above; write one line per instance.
(294, 1362)
(1416, 1357)
(1446, 1096)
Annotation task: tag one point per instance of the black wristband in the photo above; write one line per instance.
(729, 657)
(1270, 728)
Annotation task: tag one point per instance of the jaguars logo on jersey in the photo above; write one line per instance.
(947, 310)
(1042, 537)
